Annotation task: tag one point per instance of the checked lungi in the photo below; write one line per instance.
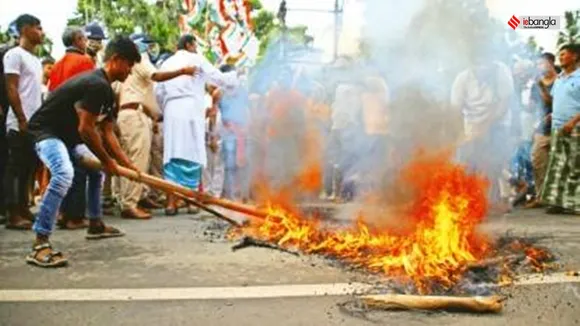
(562, 183)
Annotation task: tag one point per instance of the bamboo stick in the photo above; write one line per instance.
(208, 209)
(171, 187)
(491, 304)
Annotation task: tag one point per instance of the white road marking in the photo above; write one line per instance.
(224, 293)
(206, 293)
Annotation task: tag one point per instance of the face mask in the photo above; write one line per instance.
(153, 52)
(93, 47)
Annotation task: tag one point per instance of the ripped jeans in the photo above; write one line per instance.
(56, 156)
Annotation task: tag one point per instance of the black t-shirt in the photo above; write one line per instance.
(57, 117)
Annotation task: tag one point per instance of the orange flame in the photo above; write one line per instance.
(438, 239)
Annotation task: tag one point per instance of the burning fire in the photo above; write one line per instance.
(438, 240)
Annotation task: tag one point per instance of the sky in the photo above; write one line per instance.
(54, 14)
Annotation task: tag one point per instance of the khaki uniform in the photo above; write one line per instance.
(135, 128)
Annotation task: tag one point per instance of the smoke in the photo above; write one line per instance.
(312, 128)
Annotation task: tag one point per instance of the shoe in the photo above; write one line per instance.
(135, 214)
(74, 224)
(171, 211)
(15, 221)
(148, 203)
(555, 210)
(102, 231)
(27, 214)
(193, 210)
(18, 223)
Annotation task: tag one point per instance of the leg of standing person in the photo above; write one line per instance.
(74, 205)
(228, 152)
(97, 229)
(219, 172)
(561, 189)
(54, 154)
(3, 161)
(135, 138)
(156, 165)
(18, 173)
(540, 158)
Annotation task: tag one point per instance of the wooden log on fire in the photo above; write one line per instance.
(171, 187)
(491, 304)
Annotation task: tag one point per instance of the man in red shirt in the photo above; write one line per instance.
(74, 62)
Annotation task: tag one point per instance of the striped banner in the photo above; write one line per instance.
(228, 32)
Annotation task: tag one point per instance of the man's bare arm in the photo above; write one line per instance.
(90, 135)
(12, 81)
(161, 76)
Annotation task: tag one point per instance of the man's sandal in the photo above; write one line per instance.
(103, 231)
(51, 259)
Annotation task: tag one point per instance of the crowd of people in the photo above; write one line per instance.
(179, 117)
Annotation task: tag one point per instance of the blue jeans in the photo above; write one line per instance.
(56, 156)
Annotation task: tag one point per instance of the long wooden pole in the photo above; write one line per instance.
(171, 187)
(492, 304)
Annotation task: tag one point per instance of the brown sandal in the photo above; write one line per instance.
(21, 225)
(51, 259)
(103, 231)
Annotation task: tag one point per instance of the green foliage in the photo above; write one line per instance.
(4, 37)
(571, 33)
(160, 20)
(127, 16)
(45, 49)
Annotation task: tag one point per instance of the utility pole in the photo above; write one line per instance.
(337, 11)
(337, 26)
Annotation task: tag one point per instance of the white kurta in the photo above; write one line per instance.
(183, 103)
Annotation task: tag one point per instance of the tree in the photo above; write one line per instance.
(4, 37)
(532, 48)
(571, 33)
(160, 20)
(127, 16)
(45, 49)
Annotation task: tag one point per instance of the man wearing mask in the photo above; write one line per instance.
(138, 117)
(23, 73)
(95, 35)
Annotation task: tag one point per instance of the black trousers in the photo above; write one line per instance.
(3, 160)
(20, 168)
(74, 205)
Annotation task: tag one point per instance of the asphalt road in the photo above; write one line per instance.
(175, 260)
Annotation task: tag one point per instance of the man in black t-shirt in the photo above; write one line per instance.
(70, 118)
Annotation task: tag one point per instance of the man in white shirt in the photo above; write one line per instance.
(138, 115)
(184, 113)
(23, 72)
(483, 94)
